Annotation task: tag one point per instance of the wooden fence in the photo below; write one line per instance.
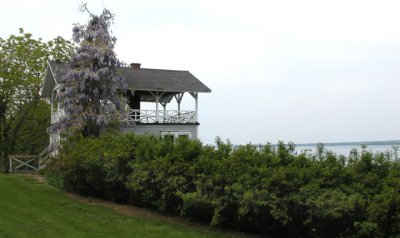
(25, 163)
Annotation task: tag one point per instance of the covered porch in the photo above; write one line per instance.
(140, 102)
(159, 114)
(158, 96)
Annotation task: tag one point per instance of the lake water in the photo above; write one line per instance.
(345, 149)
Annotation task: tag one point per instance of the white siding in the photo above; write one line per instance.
(156, 129)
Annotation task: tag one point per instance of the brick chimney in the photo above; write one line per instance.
(135, 65)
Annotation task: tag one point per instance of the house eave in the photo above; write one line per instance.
(48, 86)
(168, 90)
(193, 124)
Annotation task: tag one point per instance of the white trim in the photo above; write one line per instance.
(51, 70)
(195, 95)
(157, 96)
(178, 98)
(166, 116)
(57, 86)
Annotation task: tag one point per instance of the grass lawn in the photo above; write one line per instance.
(29, 208)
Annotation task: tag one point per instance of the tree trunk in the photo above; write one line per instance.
(3, 138)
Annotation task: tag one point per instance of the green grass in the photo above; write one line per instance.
(32, 209)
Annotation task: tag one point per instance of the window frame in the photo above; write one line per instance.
(176, 134)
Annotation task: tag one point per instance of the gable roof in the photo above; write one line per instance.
(162, 80)
(137, 79)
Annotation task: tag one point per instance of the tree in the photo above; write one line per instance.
(32, 137)
(91, 93)
(22, 67)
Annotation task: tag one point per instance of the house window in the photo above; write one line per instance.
(173, 135)
(168, 137)
(183, 136)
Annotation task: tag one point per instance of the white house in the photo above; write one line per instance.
(155, 86)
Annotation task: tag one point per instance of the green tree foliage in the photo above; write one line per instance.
(32, 138)
(264, 189)
(91, 95)
(22, 67)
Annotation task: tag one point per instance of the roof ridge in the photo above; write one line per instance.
(173, 70)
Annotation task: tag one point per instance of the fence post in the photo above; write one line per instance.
(10, 163)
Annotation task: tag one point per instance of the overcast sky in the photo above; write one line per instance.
(301, 71)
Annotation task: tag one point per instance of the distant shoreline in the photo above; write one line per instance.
(388, 142)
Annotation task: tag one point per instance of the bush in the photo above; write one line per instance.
(261, 189)
(95, 167)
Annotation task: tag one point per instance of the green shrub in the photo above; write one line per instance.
(261, 189)
(95, 167)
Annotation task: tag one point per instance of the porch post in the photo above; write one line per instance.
(157, 96)
(197, 106)
(157, 106)
(52, 99)
(164, 104)
(58, 103)
(51, 112)
(178, 98)
(195, 95)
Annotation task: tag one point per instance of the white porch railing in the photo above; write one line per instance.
(57, 115)
(146, 116)
(167, 116)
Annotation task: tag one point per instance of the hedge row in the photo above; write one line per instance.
(261, 189)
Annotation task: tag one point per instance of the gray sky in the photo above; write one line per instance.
(301, 71)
